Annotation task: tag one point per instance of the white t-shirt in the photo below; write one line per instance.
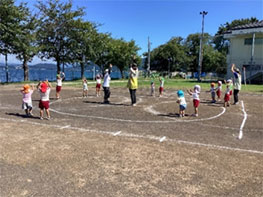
(98, 81)
(195, 96)
(182, 101)
(45, 96)
(59, 82)
(85, 86)
(107, 79)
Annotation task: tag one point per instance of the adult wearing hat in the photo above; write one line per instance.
(106, 85)
(237, 82)
(133, 83)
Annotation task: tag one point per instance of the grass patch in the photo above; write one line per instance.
(175, 84)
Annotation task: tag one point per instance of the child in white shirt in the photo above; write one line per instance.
(152, 88)
(196, 99)
(98, 85)
(182, 103)
(85, 87)
(60, 78)
(219, 90)
(27, 92)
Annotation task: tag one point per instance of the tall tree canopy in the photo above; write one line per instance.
(54, 35)
(170, 56)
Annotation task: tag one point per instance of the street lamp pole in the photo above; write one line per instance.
(201, 46)
(149, 58)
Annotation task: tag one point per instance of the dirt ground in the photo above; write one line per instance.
(94, 149)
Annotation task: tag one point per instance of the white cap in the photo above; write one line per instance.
(107, 70)
(229, 81)
(198, 88)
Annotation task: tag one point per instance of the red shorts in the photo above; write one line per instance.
(161, 89)
(44, 104)
(218, 93)
(230, 92)
(98, 85)
(227, 97)
(58, 88)
(196, 103)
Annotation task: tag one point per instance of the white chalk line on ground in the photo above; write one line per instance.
(136, 121)
(243, 122)
(160, 139)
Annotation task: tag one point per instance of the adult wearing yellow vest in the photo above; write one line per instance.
(133, 83)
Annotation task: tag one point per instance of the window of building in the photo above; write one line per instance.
(248, 41)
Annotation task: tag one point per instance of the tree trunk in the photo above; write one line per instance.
(82, 65)
(58, 65)
(25, 67)
(122, 74)
(6, 69)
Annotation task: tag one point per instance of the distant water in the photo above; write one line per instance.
(16, 73)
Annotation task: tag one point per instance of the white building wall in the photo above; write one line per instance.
(240, 54)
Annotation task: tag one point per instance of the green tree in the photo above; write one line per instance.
(25, 47)
(192, 44)
(82, 42)
(170, 56)
(53, 35)
(10, 18)
(122, 54)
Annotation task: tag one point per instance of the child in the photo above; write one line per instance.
(27, 100)
(60, 77)
(152, 88)
(161, 79)
(228, 93)
(196, 100)
(218, 90)
(44, 89)
(85, 87)
(98, 85)
(182, 103)
(213, 92)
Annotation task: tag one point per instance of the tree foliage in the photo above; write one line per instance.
(54, 33)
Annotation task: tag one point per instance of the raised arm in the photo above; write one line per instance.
(233, 68)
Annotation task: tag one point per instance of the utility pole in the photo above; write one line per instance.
(149, 57)
(201, 46)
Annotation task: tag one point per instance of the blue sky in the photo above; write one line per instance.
(161, 20)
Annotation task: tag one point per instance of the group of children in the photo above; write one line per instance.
(44, 88)
(161, 80)
(195, 93)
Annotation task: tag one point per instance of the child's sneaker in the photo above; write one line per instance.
(48, 118)
(41, 118)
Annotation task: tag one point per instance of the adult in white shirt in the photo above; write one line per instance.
(106, 85)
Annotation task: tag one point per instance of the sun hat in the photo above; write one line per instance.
(180, 93)
(26, 88)
(219, 82)
(198, 88)
(229, 81)
(43, 87)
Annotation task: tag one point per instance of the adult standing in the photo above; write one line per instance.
(106, 85)
(133, 83)
(237, 82)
